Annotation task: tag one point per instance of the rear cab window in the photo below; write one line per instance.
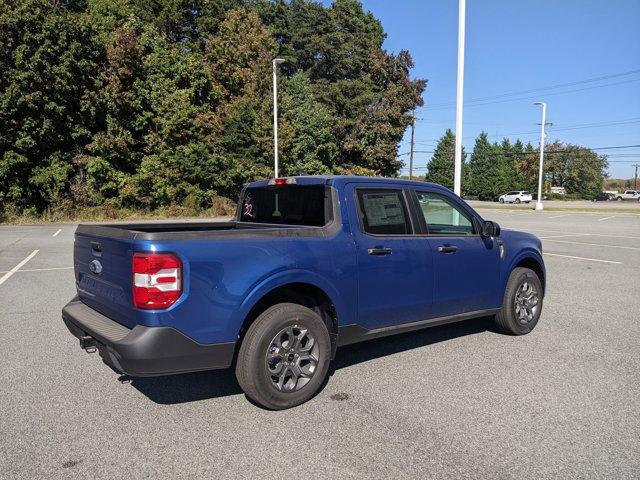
(383, 211)
(303, 205)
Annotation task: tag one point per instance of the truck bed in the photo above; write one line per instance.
(194, 230)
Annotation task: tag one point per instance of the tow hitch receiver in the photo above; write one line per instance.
(88, 344)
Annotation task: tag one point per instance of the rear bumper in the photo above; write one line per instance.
(143, 351)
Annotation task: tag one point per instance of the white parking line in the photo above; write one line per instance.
(587, 234)
(594, 244)
(56, 234)
(560, 216)
(563, 236)
(605, 218)
(582, 258)
(7, 275)
(40, 269)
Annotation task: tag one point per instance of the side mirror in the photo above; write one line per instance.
(490, 229)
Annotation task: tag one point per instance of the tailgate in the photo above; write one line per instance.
(103, 276)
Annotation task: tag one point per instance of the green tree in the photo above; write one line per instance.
(440, 168)
(48, 60)
(307, 137)
(148, 104)
(482, 168)
(580, 170)
(527, 167)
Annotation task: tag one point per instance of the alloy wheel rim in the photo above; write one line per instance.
(292, 358)
(526, 302)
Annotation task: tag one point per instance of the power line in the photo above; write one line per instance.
(557, 151)
(539, 89)
(546, 95)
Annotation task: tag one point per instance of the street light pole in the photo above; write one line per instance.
(542, 137)
(413, 129)
(457, 176)
(275, 63)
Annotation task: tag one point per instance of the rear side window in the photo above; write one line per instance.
(383, 212)
(285, 204)
(443, 217)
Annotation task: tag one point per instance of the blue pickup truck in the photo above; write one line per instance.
(309, 264)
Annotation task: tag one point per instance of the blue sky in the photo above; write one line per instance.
(512, 46)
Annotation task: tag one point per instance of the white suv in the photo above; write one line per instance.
(517, 196)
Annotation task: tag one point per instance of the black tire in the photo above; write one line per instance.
(507, 320)
(517, 200)
(619, 199)
(501, 200)
(251, 366)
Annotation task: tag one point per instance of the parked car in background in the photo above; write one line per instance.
(309, 264)
(604, 197)
(628, 195)
(516, 196)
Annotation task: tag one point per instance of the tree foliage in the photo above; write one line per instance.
(440, 168)
(496, 168)
(131, 103)
(580, 170)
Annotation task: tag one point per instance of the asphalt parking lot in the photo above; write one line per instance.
(458, 401)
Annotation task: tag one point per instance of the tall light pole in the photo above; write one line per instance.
(457, 176)
(413, 129)
(542, 136)
(275, 63)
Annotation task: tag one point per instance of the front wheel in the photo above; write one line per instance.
(501, 200)
(522, 303)
(284, 356)
(619, 199)
(517, 200)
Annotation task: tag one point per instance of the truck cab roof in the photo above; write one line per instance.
(339, 180)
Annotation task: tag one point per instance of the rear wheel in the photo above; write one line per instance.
(284, 357)
(522, 303)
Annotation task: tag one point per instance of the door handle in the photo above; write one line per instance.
(379, 251)
(447, 248)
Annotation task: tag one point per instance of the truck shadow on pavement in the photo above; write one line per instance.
(192, 387)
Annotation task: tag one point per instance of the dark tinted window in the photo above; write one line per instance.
(526, 193)
(383, 212)
(286, 204)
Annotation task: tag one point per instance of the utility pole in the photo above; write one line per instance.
(413, 129)
(457, 175)
(635, 178)
(275, 63)
(543, 124)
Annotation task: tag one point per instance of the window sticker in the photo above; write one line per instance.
(383, 209)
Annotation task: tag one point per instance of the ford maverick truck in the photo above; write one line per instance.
(309, 264)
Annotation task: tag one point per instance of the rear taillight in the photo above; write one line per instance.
(157, 280)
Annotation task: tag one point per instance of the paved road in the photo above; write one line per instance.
(627, 206)
(458, 401)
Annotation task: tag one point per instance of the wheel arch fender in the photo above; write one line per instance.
(528, 258)
(282, 279)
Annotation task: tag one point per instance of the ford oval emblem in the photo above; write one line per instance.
(95, 267)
